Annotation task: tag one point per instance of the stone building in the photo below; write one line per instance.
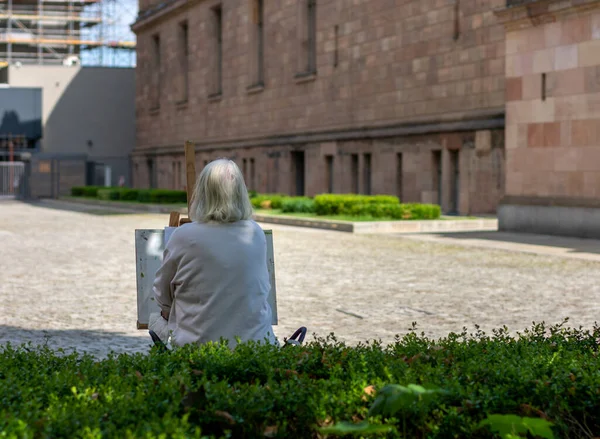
(315, 96)
(552, 117)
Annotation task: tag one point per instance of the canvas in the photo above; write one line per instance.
(149, 246)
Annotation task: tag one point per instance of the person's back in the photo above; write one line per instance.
(214, 282)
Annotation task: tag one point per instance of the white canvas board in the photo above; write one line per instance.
(149, 247)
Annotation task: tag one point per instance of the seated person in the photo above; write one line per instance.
(214, 282)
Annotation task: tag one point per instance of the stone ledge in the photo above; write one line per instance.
(377, 227)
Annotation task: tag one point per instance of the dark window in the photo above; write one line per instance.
(260, 42)
(252, 175)
(329, 172)
(336, 31)
(399, 176)
(298, 172)
(354, 173)
(437, 175)
(456, 19)
(367, 174)
(184, 59)
(156, 71)
(311, 62)
(543, 86)
(218, 54)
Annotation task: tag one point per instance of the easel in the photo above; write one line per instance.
(149, 245)
(175, 219)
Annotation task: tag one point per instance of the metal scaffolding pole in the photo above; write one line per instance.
(9, 55)
(71, 24)
(40, 49)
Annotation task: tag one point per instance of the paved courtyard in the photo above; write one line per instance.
(68, 278)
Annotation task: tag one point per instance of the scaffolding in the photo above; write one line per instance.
(52, 32)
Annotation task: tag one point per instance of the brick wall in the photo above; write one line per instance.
(390, 62)
(553, 107)
(379, 64)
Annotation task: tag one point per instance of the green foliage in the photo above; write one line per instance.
(252, 193)
(298, 204)
(167, 196)
(128, 194)
(159, 196)
(376, 206)
(373, 206)
(439, 389)
(267, 201)
(333, 204)
(514, 427)
(108, 194)
(86, 191)
(362, 428)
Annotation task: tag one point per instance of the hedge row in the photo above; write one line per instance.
(375, 206)
(159, 196)
(413, 388)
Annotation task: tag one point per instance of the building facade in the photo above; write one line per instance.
(317, 96)
(76, 125)
(552, 117)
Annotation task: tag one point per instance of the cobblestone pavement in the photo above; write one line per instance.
(68, 278)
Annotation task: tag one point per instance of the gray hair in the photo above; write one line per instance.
(220, 194)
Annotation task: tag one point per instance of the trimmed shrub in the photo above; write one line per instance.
(129, 194)
(424, 211)
(167, 196)
(77, 191)
(333, 204)
(108, 194)
(268, 201)
(86, 191)
(252, 193)
(144, 195)
(298, 205)
(396, 211)
(416, 388)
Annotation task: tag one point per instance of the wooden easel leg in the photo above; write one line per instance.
(174, 219)
(190, 172)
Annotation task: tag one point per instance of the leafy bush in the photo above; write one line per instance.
(144, 195)
(298, 204)
(267, 201)
(86, 191)
(376, 206)
(332, 204)
(454, 387)
(167, 196)
(423, 211)
(108, 194)
(252, 193)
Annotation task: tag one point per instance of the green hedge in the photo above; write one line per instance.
(86, 191)
(332, 204)
(415, 387)
(298, 204)
(160, 196)
(268, 201)
(376, 206)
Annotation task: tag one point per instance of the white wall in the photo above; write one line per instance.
(85, 110)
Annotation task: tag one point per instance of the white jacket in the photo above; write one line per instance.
(214, 283)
